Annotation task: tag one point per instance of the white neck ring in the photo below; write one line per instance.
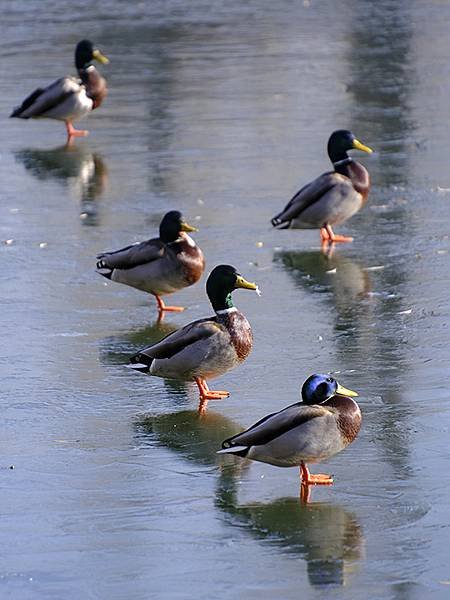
(226, 311)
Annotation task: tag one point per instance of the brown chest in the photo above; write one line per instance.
(192, 261)
(240, 333)
(348, 417)
(95, 86)
(360, 178)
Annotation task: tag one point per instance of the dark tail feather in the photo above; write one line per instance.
(236, 450)
(16, 112)
(141, 362)
(276, 221)
(107, 275)
(26, 103)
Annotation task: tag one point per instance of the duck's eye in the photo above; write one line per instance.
(329, 379)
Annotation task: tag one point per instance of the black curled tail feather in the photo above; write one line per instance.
(17, 112)
(136, 358)
(276, 221)
(101, 264)
(141, 362)
(240, 451)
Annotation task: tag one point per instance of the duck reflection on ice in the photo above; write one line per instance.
(327, 536)
(348, 280)
(195, 436)
(83, 170)
(117, 349)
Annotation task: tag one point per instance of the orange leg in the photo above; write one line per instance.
(324, 235)
(309, 479)
(207, 394)
(326, 244)
(72, 132)
(332, 237)
(163, 308)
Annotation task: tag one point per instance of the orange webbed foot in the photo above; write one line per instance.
(215, 395)
(72, 132)
(164, 308)
(328, 235)
(342, 239)
(79, 133)
(207, 394)
(319, 479)
(310, 479)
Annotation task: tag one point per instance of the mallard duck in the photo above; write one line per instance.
(325, 423)
(208, 347)
(333, 197)
(69, 99)
(158, 266)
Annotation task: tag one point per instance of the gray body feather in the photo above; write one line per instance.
(330, 199)
(298, 433)
(203, 348)
(153, 266)
(65, 99)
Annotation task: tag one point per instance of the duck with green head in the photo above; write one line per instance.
(333, 197)
(323, 424)
(208, 347)
(69, 99)
(158, 266)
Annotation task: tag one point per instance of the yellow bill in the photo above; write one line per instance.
(342, 391)
(188, 228)
(358, 146)
(100, 57)
(243, 283)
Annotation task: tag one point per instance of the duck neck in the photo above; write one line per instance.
(168, 235)
(341, 162)
(83, 68)
(222, 302)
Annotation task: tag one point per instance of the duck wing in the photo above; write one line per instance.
(44, 99)
(308, 195)
(276, 424)
(177, 341)
(132, 256)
